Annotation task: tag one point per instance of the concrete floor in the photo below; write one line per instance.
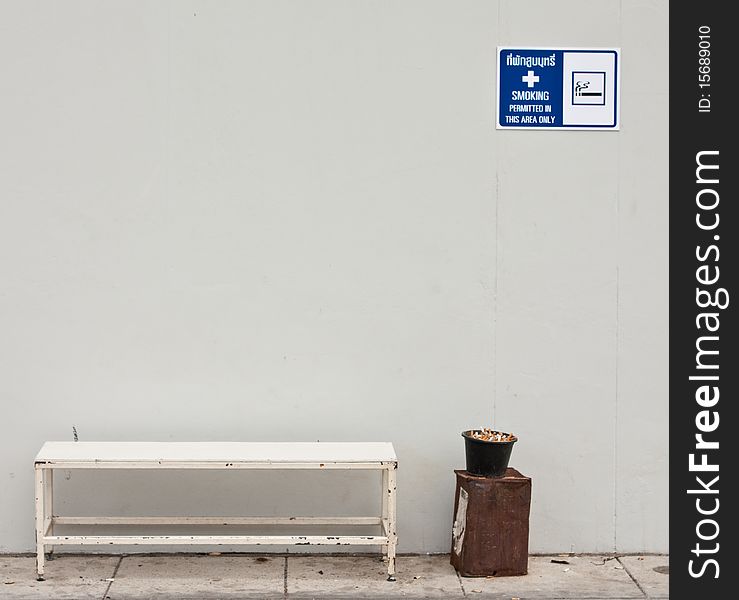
(190, 577)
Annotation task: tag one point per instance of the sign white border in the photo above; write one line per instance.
(617, 94)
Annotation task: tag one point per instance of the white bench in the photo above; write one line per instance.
(223, 456)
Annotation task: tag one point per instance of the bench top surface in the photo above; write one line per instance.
(216, 452)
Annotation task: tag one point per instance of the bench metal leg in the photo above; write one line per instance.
(391, 518)
(49, 507)
(384, 514)
(40, 521)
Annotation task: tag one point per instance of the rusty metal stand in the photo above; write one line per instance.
(491, 525)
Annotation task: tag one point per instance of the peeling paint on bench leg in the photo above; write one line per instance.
(391, 519)
(384, 512)
(40, 518)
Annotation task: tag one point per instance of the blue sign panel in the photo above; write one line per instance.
(558, 88)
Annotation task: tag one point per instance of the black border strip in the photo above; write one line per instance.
(702, 121)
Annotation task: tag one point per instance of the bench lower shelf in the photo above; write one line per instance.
(193, 520)
(256, 540)
(216, 538)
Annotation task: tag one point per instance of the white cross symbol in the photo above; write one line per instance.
(530, 79)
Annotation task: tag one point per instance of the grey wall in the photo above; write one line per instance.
(296, 220)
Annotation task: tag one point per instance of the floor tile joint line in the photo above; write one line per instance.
(461, 585)
(112, 578)
(284, 580)
(636, 583)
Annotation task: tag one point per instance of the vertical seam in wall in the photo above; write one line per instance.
(495, 298)
(618, 310)
(496, 233)
(168, 108)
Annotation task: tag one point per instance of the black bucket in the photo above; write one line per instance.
(486, 459)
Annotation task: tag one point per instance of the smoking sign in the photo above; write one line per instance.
(558, 88)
